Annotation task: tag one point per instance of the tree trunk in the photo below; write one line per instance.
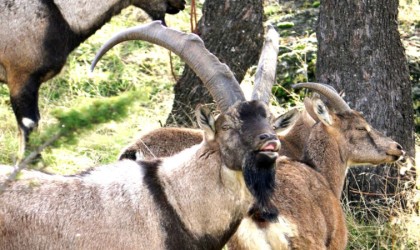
(360, 52)
(233, 31)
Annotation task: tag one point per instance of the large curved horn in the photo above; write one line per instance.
(329, 92)
(216, 76)
(265, 77)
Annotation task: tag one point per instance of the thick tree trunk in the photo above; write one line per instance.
(233, 31)
(360, 52)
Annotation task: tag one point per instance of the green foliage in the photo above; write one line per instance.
(285, 25)
(99, 111)
(80, 123)
(316, 4)
(271, 10)
(296, 63)
(76, 120)
(298, 45)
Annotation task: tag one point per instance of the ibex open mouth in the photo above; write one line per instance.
(270, 148)
(402, 157)
(396, 155)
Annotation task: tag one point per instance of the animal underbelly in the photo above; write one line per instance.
(82, 15)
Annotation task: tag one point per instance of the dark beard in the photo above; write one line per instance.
(259, 174)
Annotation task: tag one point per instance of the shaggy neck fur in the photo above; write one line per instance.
(324, 154)
(259, 173)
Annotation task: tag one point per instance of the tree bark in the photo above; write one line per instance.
(233, 31)
(360, 52)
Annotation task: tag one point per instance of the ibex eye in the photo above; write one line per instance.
(225, 127)
(361, 129)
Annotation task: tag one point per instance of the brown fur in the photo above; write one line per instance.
(296, 136)
(146, 147)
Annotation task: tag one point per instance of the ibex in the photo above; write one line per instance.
(192, 200)
(308, 192)
(308, 188)
(37, 36)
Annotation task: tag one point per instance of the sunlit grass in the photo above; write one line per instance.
(409, 11)
(131, 66)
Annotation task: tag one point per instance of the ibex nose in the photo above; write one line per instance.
(399, 148)
(267, 136)
(396, 150)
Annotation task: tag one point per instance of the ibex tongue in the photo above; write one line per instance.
(271, 146)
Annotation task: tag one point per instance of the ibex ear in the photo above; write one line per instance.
(206, 122)
(309, 107)
(286, 120)
(322, 112)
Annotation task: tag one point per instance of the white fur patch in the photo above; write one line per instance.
(175, 161)
(125, 171)
(274, 236)
(234, 180)
(321, 112)
(28, 123)
(6, 170)
(252, 237)
(278, 233)
(139, 156)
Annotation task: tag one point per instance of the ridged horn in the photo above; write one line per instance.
(216, 76)
(265, 77)
(329, 92)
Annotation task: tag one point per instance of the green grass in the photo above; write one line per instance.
(132, 67)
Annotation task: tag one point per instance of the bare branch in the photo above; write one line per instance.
(26, 161)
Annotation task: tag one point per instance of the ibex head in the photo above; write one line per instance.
(358, 141)
(244, 129)
(242, 134)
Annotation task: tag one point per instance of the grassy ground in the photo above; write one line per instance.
(142, 70)
(133, 67)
